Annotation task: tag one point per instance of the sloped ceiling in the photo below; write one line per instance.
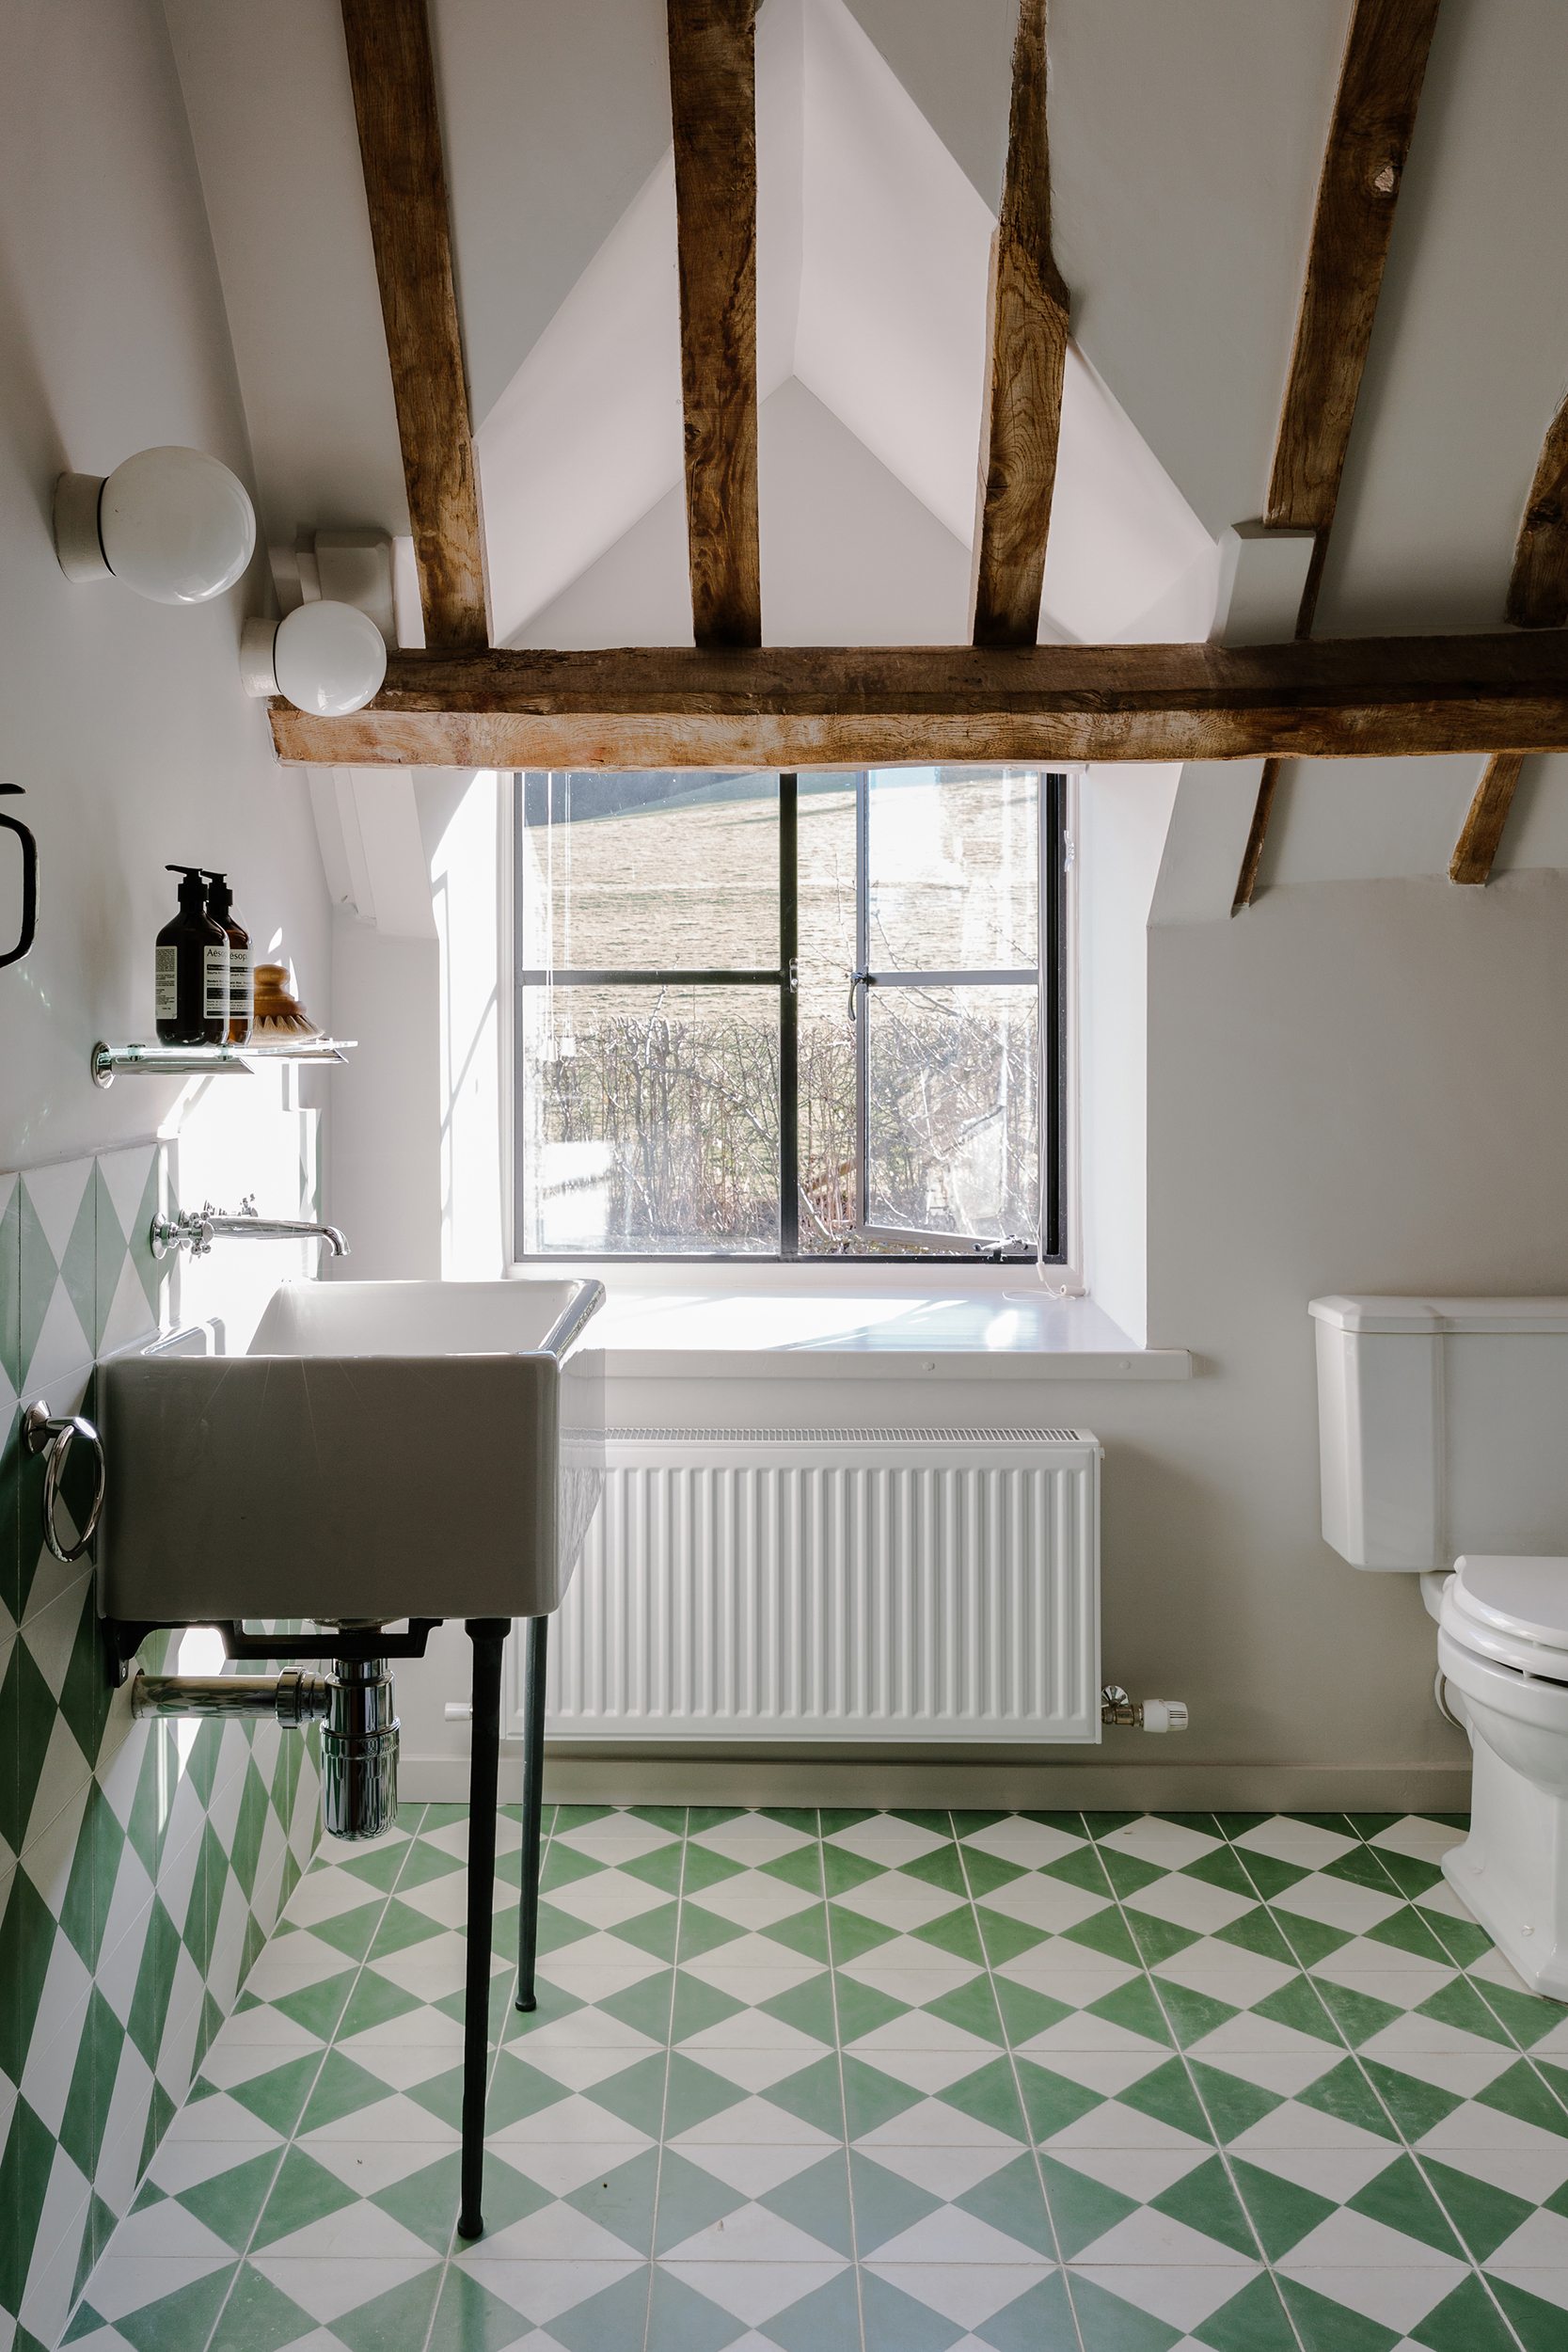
(555, 115)
(873, 248)
(272, 119)
(1184, 151)
(849, 556)
(1186, 145)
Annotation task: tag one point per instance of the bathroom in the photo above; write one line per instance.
(884, 1997)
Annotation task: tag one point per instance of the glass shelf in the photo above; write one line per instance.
(202, 1061)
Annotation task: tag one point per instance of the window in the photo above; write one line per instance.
(784, 1016)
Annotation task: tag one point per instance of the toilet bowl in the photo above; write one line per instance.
(1503, 1646)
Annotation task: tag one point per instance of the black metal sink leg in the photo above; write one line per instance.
(534, 1790)
(487, 1636)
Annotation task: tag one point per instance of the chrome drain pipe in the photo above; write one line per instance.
(293, 1699)
(360, 1749)
(353, 1702)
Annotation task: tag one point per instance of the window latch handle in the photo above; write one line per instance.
(857, 981)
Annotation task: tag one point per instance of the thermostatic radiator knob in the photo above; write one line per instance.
(1141, 1715)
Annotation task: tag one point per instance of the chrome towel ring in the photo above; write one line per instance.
(55, 1438)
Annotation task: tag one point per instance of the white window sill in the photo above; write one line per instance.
(750, 1325)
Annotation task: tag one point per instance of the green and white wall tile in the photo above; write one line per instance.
(141, 1867)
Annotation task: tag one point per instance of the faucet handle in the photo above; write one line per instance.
(186, 1231)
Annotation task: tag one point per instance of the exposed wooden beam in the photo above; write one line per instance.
(713, 109)
(400, 146)
(1027, 333)
(1538, 591)
(1252, 857)
(814, 706)
(1369, 139)
(1483, 827)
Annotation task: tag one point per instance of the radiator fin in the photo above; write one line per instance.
(821, 1587)
(843, 1437)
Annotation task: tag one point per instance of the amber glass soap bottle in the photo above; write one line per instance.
(221, 906)
(192, 995)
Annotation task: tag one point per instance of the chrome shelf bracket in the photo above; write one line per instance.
(208, 1061)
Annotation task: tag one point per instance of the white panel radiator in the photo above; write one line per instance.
(875, 1585)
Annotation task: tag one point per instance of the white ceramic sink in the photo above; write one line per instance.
(383, 1450)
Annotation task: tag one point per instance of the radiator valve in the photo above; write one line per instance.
(1141, 1715)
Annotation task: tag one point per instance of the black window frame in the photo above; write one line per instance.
(1049, 978)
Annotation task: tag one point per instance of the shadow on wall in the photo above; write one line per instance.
(463, 822)
(30, 421)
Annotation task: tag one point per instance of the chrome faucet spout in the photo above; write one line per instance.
(247, 1226)
(197, 1231)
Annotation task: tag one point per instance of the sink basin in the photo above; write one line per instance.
(383, 1450)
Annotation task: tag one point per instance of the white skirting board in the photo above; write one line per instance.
(1161, 1783)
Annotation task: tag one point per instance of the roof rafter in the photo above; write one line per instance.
(1026, 336)
(400, 148)
(812, 706)
(1252, 856)
(713, 113)
(1482, 830)
(1538, 589)
(1369, 139)
(1537, 598)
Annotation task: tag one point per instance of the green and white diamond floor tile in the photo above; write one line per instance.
(877, 2081)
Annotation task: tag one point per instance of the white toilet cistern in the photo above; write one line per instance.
(1440, 1435)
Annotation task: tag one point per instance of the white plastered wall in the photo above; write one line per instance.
(417, 1175)
(1124, 813)
(124, 721)
(466, 887)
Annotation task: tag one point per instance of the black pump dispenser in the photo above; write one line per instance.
(192, 989)
(221, 906)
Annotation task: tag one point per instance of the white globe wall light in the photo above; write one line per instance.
(173, 524)
(325, 657)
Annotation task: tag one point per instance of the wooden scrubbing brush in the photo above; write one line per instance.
(278, 1014)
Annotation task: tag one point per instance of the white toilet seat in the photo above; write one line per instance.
(1513, 1610)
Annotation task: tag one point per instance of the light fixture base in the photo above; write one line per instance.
(257, 672)
(356, 567)
(76, 540)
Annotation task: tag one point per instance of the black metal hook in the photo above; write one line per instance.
(29, 882)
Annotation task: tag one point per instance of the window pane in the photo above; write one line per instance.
(650, 1120)
(951, 878)
(826, 866)
(646, 872)
(952, 1111)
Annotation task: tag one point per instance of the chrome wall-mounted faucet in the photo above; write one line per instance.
(196, 1230)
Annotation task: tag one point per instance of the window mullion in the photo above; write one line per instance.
(1053, 1035)
(789, 1058)
(862, 1020)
